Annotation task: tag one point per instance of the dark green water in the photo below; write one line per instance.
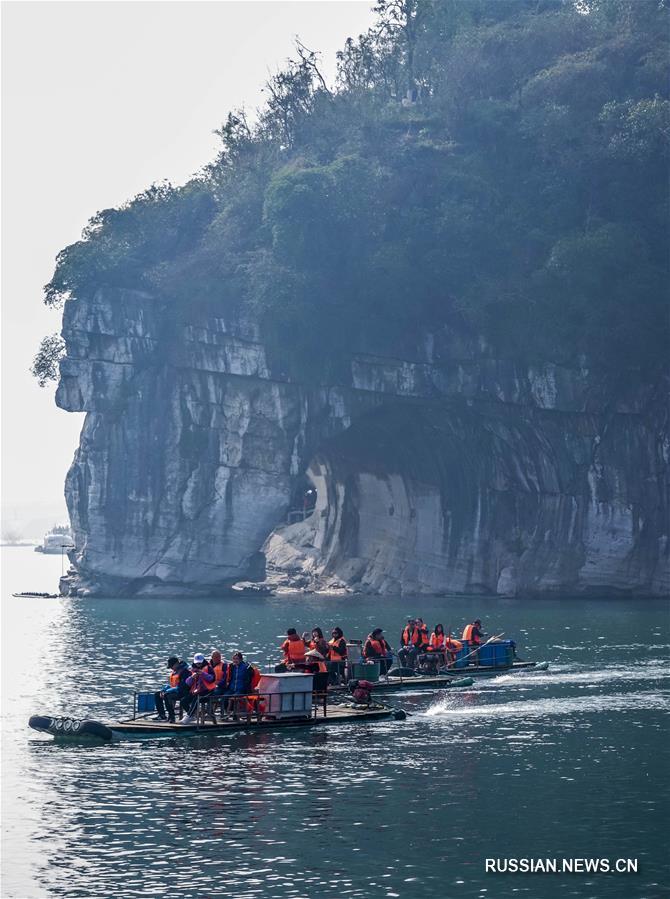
(571, 763)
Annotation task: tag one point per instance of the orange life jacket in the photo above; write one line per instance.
(436, 641)
(416, 637)
(452, 645)
(201, 682)
(174, 679)
(221, 674)
(255, 677)
(294, 650)
(333, 654)
(468, 635)
(379, 647)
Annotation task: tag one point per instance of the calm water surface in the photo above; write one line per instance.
(568, 763)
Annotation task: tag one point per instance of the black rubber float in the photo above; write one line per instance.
(72, 728)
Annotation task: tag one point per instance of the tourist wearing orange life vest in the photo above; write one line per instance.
(376, 649)
(437, 638)
(221, 671)
(337, 654)
(315, 663)
(201, 683)
(319, 643)
(294, 650)
(412, 641)
(473, 634)
(436, 645)
(176, 689)
(451, 647)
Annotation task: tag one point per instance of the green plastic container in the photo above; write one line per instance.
(366, 671)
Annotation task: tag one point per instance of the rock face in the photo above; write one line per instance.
(437, 469)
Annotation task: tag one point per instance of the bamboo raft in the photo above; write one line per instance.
(258, 711)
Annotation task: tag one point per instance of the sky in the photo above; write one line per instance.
(99, 100)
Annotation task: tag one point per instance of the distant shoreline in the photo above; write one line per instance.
(23, 543)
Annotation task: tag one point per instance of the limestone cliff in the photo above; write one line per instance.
(437, 469)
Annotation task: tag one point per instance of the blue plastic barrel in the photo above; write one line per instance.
(145, 703)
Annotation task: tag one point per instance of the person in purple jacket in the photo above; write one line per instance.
(201, 682)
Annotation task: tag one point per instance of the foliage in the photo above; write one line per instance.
(119, 246)
(502, 162)
(45, 364)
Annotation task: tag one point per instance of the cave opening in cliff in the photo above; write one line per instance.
(303, 499)
(388, 495)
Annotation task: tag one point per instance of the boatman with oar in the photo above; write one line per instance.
(474, 634)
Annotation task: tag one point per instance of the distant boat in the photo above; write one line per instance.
(54, 544)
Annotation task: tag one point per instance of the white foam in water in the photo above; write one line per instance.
(540, 708)
(652, 671)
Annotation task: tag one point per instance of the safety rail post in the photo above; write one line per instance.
(397, 655)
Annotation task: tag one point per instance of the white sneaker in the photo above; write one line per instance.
(187, 719)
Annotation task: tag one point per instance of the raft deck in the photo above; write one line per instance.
(335, 715)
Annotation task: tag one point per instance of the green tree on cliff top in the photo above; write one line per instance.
(499, 163)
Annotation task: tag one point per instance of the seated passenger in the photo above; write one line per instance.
(411, 643)
(337, 655)
(293, 648)
(318, 642)
(423, 631)
(239, 684)
(201, 683)
(315, 663)
(376, 649)
(452, 646)
(221, 671)
(177, 689)
(436, 655)
(437, 638)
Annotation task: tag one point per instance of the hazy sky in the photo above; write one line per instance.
(100, 99)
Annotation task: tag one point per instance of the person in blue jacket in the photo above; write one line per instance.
(177, 689)
(239, 683)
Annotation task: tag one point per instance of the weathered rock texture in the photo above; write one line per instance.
(444, 469)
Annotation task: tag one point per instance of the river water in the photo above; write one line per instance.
(571, 763)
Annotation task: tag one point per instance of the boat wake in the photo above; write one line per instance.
(552, 706)
(649, 672)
